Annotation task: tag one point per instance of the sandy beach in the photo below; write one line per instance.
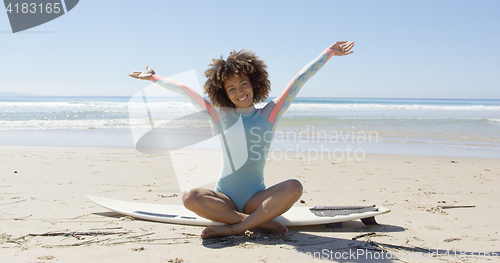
(439, 205)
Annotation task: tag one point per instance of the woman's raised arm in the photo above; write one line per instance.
(191, 95)
(282, 103)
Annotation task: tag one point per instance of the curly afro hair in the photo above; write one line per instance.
(241, 63)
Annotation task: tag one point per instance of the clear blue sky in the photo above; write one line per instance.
(404, 49)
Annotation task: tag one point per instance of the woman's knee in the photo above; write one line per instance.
(295, 188)
(191, 198)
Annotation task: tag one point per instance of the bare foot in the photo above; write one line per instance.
(274, 228)
(219, 231)
(227, 230)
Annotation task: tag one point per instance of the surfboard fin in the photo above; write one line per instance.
(369, 221)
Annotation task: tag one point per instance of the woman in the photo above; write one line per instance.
(240, 199)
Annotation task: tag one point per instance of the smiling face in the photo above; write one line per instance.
(239, 90)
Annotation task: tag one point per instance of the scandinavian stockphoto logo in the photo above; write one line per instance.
(161, 123)
(25, 14)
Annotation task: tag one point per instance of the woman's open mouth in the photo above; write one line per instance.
(244, 98)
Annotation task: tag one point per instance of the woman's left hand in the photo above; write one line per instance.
(342, 48)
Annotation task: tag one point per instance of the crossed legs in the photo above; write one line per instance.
(259, 210)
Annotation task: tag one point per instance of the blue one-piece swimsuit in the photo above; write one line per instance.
(246, 133)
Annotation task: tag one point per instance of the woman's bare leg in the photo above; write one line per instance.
(219, 207)
(211, 205)
(262, 207)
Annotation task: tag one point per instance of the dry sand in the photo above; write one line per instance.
(45, 216)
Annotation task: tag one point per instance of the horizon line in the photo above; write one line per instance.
(21, 94)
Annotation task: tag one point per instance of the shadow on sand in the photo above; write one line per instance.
(310, 242)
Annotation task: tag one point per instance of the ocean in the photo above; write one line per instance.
(433, 127)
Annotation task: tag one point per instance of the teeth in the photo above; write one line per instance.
(242, 99)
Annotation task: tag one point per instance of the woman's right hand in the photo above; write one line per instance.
(144, 75)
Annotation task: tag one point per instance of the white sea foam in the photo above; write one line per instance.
(166, 105)
(64, 124)
(93, 105)
(99, 124)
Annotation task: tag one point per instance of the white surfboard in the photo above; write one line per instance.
(296, 216)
